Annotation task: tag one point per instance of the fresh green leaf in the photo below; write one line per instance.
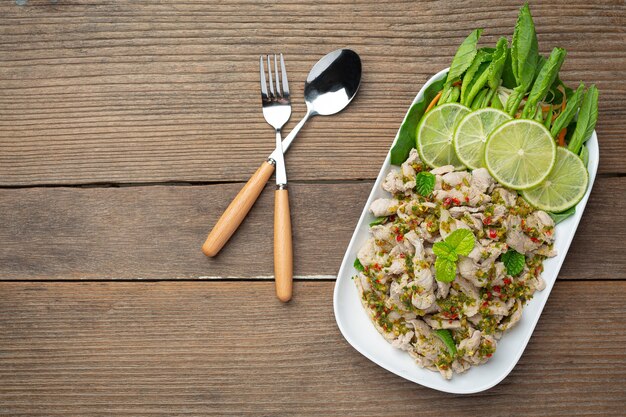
(587, 118)
(508, 79)
(513, 261)
(424, 183)
(471, 73)
(378, 220)
(544, 81)
(358, 265)
(559, 217)
(455, 93)
(444, 250)
(497, 64)
(406, 135)
(571, 107)
(445, 269)
(524, 58)
(524, 49)
(462, 59)
(479, 81)
(446, 338)
(584, 155)
(462, 241)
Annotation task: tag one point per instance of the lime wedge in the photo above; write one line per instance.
(471, 134)
(520, 154)
(434, 135)
(565, 186)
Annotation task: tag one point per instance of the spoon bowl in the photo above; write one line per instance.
(333, 82)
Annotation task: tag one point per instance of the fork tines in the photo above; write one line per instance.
(282, 91)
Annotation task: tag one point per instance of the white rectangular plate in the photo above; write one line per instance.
(356, 327)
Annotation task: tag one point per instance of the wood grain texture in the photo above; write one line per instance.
(155, 232)
(146, 91)
(209, 348)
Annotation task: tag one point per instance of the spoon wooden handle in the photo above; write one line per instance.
(283, 255)
(237, 210)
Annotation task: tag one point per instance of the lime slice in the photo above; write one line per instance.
(520, 154)
(565, 186)
(434, 135)
(471, 134)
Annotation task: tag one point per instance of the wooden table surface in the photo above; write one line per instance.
(127, 127)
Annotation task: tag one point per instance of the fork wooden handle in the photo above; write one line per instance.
(237, 210)
(283, 255)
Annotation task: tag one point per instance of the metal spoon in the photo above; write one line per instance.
(330, 86)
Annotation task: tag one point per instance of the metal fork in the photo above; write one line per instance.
(277, 110)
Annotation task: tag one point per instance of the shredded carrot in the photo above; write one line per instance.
(434, 101)
(561, 136)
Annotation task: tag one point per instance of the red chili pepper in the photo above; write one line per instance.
(507, 281)
(447, 201)
(399, 238)
(487, 221)
(497, 288)
(534, 239)
(456, 201)
(485, 304)
(402, 255)
(466, 199)
(488, 295)
(493, 234)
(489, 355)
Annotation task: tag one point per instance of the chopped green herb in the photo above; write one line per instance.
(358, 265)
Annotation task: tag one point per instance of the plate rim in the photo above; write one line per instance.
(345, 264)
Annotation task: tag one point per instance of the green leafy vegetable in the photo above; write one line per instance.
(424, 183)
(445, 270)
(496, 67)
(559, 217)
(444, 250)
(587, 118)
(462, 241)
(567, 115)
(524, 58)
(378, 220)
(446, 338)
(548, 121)
(469, 77)
(462, 60)
(358, 265)
(479, 100)
(513, 261)
(544, 81)
(406, 135)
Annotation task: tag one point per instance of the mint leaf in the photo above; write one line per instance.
(462, 241)
(443, 250)
(378, 220)
(513, 261)
(446, 338)
(424, 183)
(445, 269)
(358, 265)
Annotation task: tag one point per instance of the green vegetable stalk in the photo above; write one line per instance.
(587, 118)
(544, 80)
(490, 76)
(567, 115)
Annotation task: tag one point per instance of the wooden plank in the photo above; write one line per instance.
(149, 91)
(155, 232)
(143, 349)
